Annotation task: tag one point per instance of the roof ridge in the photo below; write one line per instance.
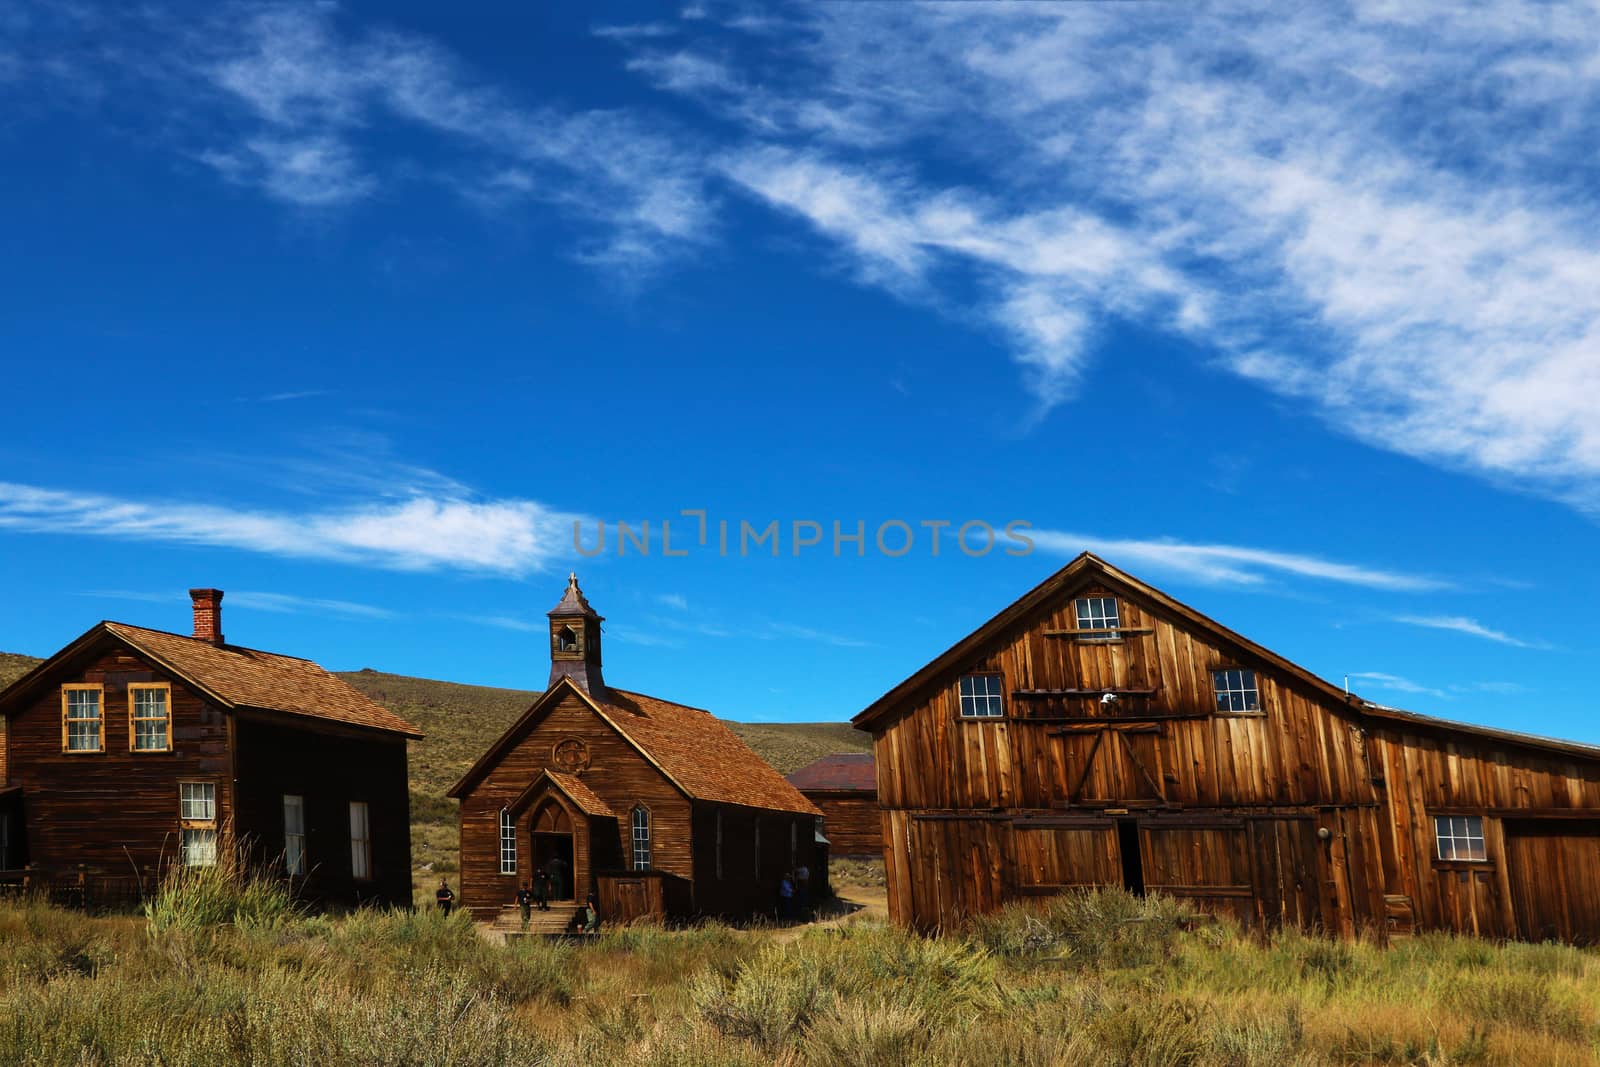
(227, 646)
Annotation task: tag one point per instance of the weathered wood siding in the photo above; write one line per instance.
(850, 822)
(1307, 811)
(328, 771)
(748, 880)
(1539, 808)
(113, 811)
(618, 774)
(1291, 752)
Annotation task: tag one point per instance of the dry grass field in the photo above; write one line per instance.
(213, 975)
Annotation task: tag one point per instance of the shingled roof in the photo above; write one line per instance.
(245, 678)
(842, 772)
(692, 747)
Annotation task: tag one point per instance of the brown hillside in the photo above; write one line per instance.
(13, 666)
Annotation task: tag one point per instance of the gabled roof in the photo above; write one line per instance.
(574, 788)
(839, 773)
(238, 678)
(696, 751)
(1088, 567)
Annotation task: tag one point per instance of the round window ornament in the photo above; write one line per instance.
(571, 754)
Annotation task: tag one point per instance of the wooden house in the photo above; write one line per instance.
(133, 749)
(844, 787)
(656, 807)
(1099, 732)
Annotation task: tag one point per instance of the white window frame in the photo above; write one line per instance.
(1237, 690)
(1457, 837)
(508, 842)
(360, 841)
(294, 834)
(982, 701)
(68, 719)
(197, 824)
(1099, 618)
(639, 836)
(134, 718)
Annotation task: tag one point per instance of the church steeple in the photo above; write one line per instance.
(575, 641)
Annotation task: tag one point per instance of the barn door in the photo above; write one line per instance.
(1208, 864)
(1554, 870)
(1052, 859)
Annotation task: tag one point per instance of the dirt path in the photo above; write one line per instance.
(863, 902)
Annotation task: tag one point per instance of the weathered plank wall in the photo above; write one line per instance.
(849, 821)
(748, 882)
(115, 810)
(329, 771)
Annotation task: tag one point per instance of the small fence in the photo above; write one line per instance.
(85, 888)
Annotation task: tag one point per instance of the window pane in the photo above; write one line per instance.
(198, 801)
(199, 848)
(360, 846)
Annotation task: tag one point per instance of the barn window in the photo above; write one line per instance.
(1236, 690)
(719, 843)
(360, 841)
(150, 718)
(508, 843)
(294, 834)
(1460, 837)
(641, 839)
(197, 816)
(758, 848)
(1098, 616)
(80, 718)
(980, 697)
(794, 845)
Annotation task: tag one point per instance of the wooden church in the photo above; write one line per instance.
(656, 807)
(1098, 732)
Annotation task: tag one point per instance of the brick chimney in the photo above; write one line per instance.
(207, 615)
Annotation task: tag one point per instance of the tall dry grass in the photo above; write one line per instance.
(1101, 978)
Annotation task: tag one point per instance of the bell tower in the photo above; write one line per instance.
(575, 641)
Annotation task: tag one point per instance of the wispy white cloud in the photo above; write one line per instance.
(1228, 564)
(498, 536)
(286, 395)
(674, 600)
(791, 631)
(1397, 684)
(278, 603)
(1463, 625)
(1384, 213)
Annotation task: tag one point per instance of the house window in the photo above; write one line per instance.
(508, 843)
(1098, 616)
(1236, 690)
(80, 718)
(197, 818)
(794, 845)
(5, 841)
(980, 697)
(719, 843)
(641, 839)
(150, 718)
(360, 841)
(294, 834)
(1460, 837)
(758, 848)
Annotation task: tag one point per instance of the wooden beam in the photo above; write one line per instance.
(1081, 692)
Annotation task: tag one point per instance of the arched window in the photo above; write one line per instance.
(641, 839)
(508, 843)
(568, 639)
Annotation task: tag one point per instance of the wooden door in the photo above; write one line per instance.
(1208, 864)
(1554, 870)
(1056, 858)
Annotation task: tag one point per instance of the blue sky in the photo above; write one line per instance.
(352, 310)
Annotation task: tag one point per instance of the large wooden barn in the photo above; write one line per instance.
(1098, 732)
(131, 750)
(656, 807)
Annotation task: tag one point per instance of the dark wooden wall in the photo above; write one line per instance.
(617, 774)
(114, 811)
(747, 887)
(1301, 812)
(329, 771)
(850, 821)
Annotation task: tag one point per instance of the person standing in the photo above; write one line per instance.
(541, 890)
(525, 902)
(557, 867)
(786, 897)
(591, 919)
(445, 898)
